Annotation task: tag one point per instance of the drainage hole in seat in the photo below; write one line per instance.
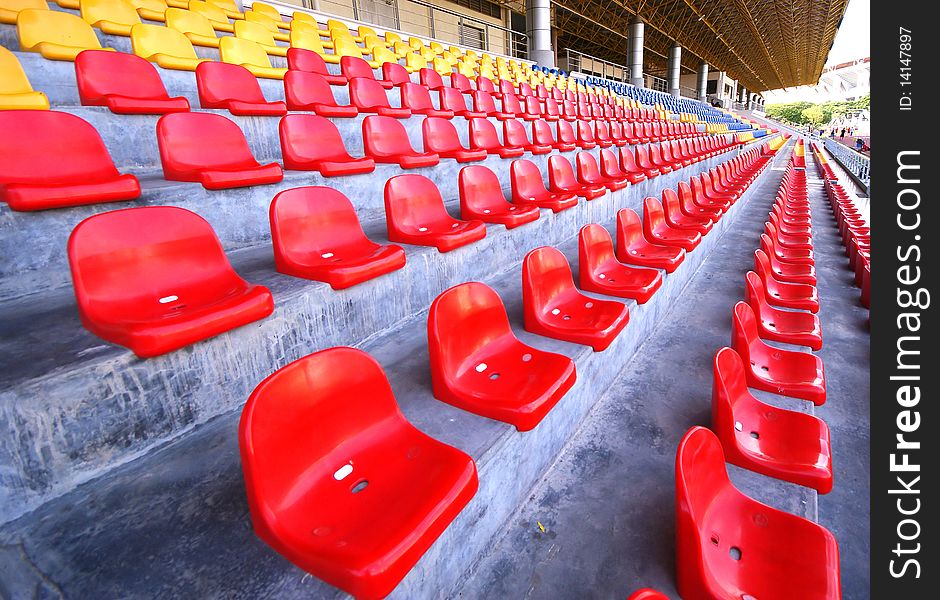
(755, 435)
(359, 486)
(735, 553)
(526, 357)
(738, 426)
(714, 539)
(588, 305)
(494, 376)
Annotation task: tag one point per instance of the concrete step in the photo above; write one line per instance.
(180, 525)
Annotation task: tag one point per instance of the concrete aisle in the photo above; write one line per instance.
(607, 505)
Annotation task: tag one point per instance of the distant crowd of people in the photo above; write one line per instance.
(861, 144)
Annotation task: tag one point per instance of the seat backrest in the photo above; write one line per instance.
(511, 103)
(452, 99)
(385, 135)
(13, 79)
(187, 21)
(546, 275)
(480, 189)
(744, 330)
(560, 171)
(460, 82)
(440, 135)
(595, 247)
(305, 37)
(307, 137)
(51, 147)
(653, 212)
(483, 134)
(149, 40)
(355, 66)
(462, 321)
(367, 93)
(483, 102)
(99, 73)
(671, 202)
(209, 11)
(526, 179)
(9, 9)
(485, 84)
(565, 132)
(220, 82)
(202, 140)
(588, 170)
(416, 97)
(303, 88)
(240, 51)
(313, 219)
(514, 133)
(413, 201)
(394, 72)
(729, 388)
(114, 11)
(305, 425)
(255, 32)
(35, 26)
(145, 255)
(344, 45)
(430, 79)
(629, 229)
(542, 133)
(610, 167)
(266, 9)
(301, 59)
(701, 476)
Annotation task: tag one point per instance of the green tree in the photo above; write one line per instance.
(815, 115)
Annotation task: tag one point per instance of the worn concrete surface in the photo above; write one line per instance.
(181, 526)
(607, 505)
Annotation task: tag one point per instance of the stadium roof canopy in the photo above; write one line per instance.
(764, 44)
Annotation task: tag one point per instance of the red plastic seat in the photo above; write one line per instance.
(542, 134)
(479, 365)
(561, 180)
(528, 187)
(441, 137)
(689, 208)
(589, 173)
(602, 134)
(453, 100)
(415, 214)
(155, 279)
(599, 270)
(461, 82)
(634, 249)
(126, 83)
(705, 197)
(642, 160)
(386, 141)
(338, 481)
(316, 235)
(299, 59)
(395, 73)
(483, 103)
(789, 242)
(51, 159)
(514, 135)
(354, 67)
(481, 198)
(672, 210)
(730, 546)
(789, 256)
(795, 273)
(430, 79)
(369, 96)
(554, 307)
(656, 158)
(657, 230)
(310, 91)
(797, 374)
(232, 87)
(416, 97)
(510, 105)
(791, 327)
(565, 140)
(610, 167)
(211, 150)
(628, 164)
(798, 296)
(312, 143)
(584, 135)
(483, 136)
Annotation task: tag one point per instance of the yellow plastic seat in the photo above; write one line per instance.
(437, 47)
(427, 53)
(250, 55)
(401, 49)
(55, 34)
(345, 46)
(441, 66)
(391, 37)
(152, 10)
(268, 23)
(382, 55)
(466, 69)
(70, 4)
(10, 8)
(415, 62)
(231, 10)
(167, 47)
(306, 36)
(15, 91)
(196, 27)
(334, 25)
(114, 17)
(255, 32)
(215, 15)
(272, 13)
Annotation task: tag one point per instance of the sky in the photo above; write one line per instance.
(853, 41)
